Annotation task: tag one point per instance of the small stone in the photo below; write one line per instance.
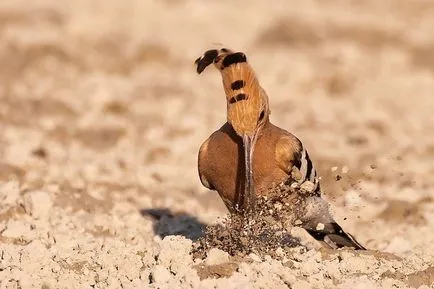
(255, 257)
(320, 227)
(334, 169)
(298, 222)
(216, 256)
(345, 169)
(289, 264)
(307, 186)
(294, 185)
(37, 204)
(373, 166)
(160, 274)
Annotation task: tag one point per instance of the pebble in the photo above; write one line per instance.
(320, 226)
(160, 274)
(216, 256)
(37, 204)
(307, 186)
(255, 257)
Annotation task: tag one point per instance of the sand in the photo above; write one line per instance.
(102, 115)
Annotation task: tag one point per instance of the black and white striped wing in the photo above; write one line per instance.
(292, 156)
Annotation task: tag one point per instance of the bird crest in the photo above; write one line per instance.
(247, 102)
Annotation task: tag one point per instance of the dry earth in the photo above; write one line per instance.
(102, 115)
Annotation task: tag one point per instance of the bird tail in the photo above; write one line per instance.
(334, 236)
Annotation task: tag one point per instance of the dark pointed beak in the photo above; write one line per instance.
(249, 193)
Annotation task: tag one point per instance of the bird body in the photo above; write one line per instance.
(249, 157)
(221, 156)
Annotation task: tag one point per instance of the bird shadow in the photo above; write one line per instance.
(167, 223)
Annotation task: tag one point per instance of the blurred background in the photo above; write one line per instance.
(100, 103)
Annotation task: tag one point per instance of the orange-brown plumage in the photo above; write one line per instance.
(249, 156)
(221, 163)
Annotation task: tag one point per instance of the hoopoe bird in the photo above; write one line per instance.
(249, 155)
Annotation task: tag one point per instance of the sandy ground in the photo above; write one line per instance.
(102, 116)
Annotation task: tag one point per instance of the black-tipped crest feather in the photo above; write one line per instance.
(226, 56)
(205, 60)
(234, 58)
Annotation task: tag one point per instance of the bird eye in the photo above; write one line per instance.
(261, 116)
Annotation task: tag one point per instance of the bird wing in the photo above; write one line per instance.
(320, 224)
(294, 159)
(335, 237)
(202, 163)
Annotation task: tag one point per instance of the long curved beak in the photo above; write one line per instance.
(249, 193)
